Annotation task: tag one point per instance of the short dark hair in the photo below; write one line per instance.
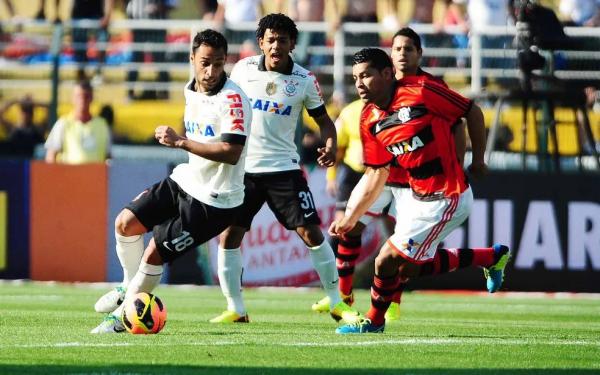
(85, 85)
(26, 105)
(211, 38)
(277, 22)
(410, 34)
(375, 57)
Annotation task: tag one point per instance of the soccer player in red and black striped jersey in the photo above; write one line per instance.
(406, 56)
(409, 122)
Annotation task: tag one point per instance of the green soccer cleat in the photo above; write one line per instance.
(323, 305)
(230, 317)
(362, 326)
(393, 312)
(342, 311)
(495, 273)
(111, 300)
(110, 324)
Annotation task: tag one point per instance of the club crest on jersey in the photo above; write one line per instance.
(272, 107)
(290, 87)
(403, 147)
(411, 246)
(404, 114)
(271, 88)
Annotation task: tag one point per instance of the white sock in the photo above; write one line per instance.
(323, 261)
(145, 280)
(229, 269)
(129, 250)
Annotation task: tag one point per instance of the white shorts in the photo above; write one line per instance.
(421, 226)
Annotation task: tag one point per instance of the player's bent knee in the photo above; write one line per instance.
(127, 224)
(386, 262)
(311, 235)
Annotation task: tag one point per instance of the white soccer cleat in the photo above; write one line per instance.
(110, 301)
(110, 324)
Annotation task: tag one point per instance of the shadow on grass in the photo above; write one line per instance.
(207, 370)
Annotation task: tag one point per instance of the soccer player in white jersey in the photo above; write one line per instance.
(201, 197)
(278, 90)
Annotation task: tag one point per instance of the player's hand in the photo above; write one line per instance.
(167, 136)
(478, 170)
(342, 226)
(326, 156)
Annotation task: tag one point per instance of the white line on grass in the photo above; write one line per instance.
(408, 341)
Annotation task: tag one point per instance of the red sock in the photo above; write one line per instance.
(449, 260)
(382, 291)
(484, 257)
(347, 254)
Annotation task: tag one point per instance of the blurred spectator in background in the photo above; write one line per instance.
(580, 12)
(146, 10)
(456, 15)
(232, 12)
(349, 167)
(484, 13)
(79, 137)
(108, 114)
(95, 10)
(13, 16)
(41, 13)
(208, 8)
(23, 135)
(306, 11)
(359, 11)
(10, 8)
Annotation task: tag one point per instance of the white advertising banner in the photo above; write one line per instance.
(272, 255)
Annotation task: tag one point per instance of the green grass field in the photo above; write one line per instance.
(44, 330)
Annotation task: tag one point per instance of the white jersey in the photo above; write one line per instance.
(277, 101)
(224, 116)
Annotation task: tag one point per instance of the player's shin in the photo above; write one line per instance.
(323, 261)
(129, 250)
(145, 280)
(229, 269)
(347, 255)
(382, 292)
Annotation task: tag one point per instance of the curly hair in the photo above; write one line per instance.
(277, 22)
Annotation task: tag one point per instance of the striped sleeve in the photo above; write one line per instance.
(444, 102)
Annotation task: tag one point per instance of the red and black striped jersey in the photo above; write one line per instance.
(398, 176)
(414, 131)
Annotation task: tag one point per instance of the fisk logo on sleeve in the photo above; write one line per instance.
(236, 112)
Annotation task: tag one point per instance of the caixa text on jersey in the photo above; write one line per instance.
(271, 107)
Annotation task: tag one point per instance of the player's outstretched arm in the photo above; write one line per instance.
(476, 128)
(362, 197)
(327, 154)
(222, 152)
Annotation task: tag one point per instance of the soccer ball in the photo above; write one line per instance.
(144, 313)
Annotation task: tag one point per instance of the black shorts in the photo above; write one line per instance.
(347, 179)
(287, 195)
(178, 221)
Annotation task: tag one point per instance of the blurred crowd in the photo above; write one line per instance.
(24, 126)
